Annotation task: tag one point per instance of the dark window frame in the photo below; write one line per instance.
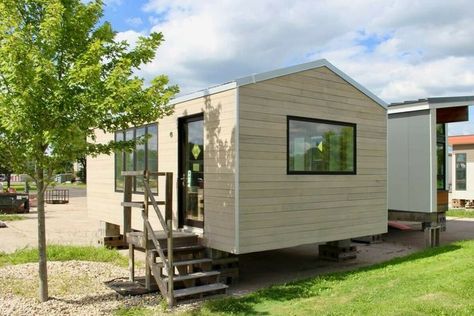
(315, 120)
(456, 172)
(441, 141)
(123, 153)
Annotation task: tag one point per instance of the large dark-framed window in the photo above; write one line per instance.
(316, 146)
(143, 157)
(461, 166)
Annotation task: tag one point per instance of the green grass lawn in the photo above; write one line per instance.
(437, 281)
(65, 253)
(460, 213)
(20, 186)
(11, 217)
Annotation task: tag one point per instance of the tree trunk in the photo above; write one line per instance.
(43, 271)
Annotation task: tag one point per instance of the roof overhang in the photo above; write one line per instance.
(252, 79)
(430, 103)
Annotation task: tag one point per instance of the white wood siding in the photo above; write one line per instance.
(219, 126)
(279, 210)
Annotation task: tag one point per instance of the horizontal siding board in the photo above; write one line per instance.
(309, 237)
(301, 225)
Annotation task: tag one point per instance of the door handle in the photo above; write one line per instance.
(183, 180)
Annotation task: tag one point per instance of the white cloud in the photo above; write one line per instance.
(134, 22)
(130, 36)
(399, 49)
(426, 49)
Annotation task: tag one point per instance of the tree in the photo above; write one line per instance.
(82, 172)
(7, 172)
(63, 77)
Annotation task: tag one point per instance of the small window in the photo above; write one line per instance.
(461, 172)
(143, 157)
(321, 147)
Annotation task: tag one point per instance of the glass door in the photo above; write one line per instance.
(191, 171)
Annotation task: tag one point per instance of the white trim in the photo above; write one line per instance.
(433, 163)
(254, 78)
(431, 103)
(237, 173)
(408, 108)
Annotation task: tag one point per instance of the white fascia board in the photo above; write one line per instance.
(413, 107)
(203, 93)
(307, 66)
(426, 105)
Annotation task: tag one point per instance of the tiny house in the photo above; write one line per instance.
(272, 160)
(462, 170)
(417, 155)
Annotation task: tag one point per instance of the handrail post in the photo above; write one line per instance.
(170, 263)
(127, 211)
(145, 236)
(169, 197)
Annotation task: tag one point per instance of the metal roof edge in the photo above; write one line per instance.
(430, 103)
(203, 93)
(465, 98)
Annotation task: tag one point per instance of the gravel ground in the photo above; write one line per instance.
(75, 288)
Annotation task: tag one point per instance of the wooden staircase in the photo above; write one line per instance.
(174, 259)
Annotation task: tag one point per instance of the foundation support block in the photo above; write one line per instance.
(340, 250)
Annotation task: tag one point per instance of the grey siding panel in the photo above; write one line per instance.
(409, 155)
(278, 210)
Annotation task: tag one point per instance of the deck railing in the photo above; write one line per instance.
(148, 231)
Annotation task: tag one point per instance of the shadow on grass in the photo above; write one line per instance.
(307, 288)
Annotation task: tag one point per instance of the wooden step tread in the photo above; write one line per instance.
(184, 248)
(133, 204)
(195, 275)
(160, 235)
(190, 262)
(199, 289)
(140, 204)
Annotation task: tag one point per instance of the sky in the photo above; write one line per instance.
(398, 49)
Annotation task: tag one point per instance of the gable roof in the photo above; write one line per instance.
(254, 78)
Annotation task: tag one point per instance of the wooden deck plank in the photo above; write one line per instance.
(195, 275)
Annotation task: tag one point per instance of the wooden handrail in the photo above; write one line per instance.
(155, 241)
(155, 207)
(167, 226)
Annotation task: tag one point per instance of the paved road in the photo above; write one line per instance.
(65, 224)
